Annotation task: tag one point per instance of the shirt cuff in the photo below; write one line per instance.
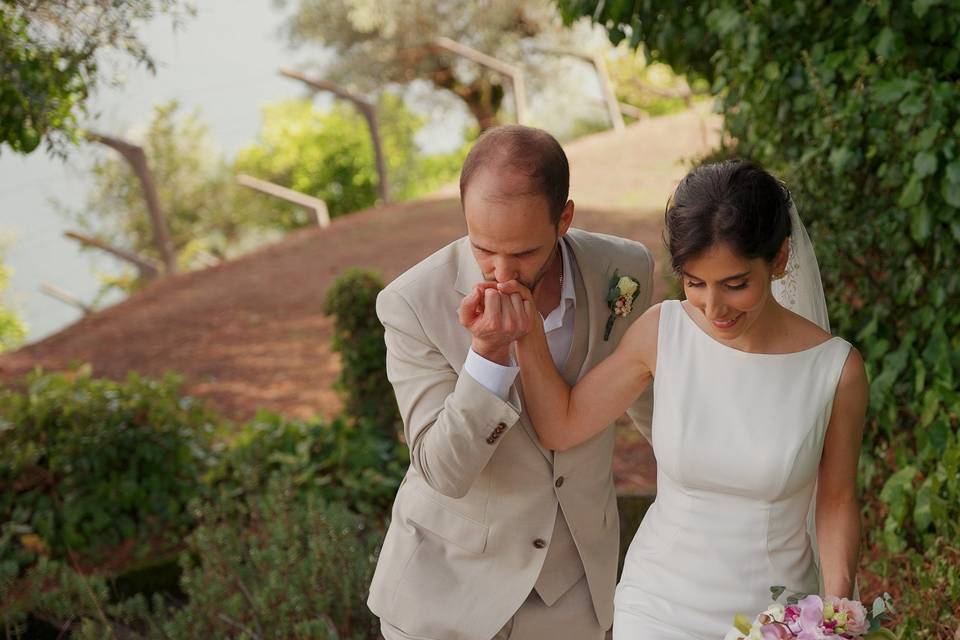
(494, 377)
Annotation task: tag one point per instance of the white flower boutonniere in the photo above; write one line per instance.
(623, 291)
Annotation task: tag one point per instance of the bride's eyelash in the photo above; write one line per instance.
(738, 287)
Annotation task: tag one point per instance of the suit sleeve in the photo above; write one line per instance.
(641, 411)
(451, 422)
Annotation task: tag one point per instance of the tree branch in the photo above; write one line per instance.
(135, 155)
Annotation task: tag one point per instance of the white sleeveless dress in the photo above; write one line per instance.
(738, 438)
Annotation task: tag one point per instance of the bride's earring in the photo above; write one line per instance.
(779, 276)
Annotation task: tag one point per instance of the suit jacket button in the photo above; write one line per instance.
(491, 440)
(539, 543)
(501, 427)
(559, 482)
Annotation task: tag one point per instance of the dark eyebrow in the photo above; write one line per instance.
(531, 250)
(737, 276)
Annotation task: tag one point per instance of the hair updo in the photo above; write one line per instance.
(735, 202)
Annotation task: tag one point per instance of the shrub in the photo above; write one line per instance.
(358, 338)
(88, 466)
(291, 566)
(351, 464)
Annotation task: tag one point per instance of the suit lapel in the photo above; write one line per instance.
(594, 268)
(468, 271)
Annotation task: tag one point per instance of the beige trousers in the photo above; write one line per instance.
(570, 618)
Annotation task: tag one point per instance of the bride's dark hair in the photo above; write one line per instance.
(734, 202)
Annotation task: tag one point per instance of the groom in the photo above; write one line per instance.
(492, 535)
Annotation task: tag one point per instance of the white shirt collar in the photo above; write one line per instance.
(568, 294)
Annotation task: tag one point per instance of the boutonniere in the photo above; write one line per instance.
(623, 291)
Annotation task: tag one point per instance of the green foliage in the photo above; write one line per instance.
(12, 329)
(354, 465)
(928, 589)
(857, 106)
(52, 61)
(291, 566)
(358, 338)
(94, 470)
(329, 155)
(653, 87)
(88, 466)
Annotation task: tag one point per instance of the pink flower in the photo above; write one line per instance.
(851, 614)
(775, 632)
(809, 624)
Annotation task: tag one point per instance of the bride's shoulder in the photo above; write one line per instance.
(806, 334)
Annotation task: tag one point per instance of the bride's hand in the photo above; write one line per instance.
(517, 293)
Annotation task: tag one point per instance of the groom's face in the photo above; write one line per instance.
(511, 232)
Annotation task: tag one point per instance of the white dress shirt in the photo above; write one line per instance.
(558, 326)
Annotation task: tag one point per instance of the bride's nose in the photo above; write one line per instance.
(713, 307)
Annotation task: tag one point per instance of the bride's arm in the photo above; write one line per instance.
(565, 417)
(838, 512)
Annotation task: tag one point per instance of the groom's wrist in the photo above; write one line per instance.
(499, 353)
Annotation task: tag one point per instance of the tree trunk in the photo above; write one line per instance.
(484, 103)
(482, 97)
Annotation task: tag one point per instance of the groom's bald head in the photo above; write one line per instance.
(527, 161)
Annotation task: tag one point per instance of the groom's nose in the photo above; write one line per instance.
(505, 270)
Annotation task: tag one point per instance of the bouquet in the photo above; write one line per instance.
(810, 617)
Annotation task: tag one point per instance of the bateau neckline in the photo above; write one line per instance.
(710, 338)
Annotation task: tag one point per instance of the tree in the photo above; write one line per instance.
(209, 217)
(54, 54)
(328, 155)
(325, 154)
(380, 43)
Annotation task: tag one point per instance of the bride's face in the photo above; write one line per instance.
(730, 290)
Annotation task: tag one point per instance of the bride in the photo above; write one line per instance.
(758, 415)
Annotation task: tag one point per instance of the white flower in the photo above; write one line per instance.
(776, 611)
(627, 286)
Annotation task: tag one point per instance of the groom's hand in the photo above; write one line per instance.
(495, 319)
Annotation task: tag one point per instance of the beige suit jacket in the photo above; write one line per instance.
(475, 512)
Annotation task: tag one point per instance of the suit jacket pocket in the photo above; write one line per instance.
(453, 527)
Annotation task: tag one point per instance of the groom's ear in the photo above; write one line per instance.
(566, 218)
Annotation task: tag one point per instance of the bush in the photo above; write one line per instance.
(857, 106)
(358, 338)
(292, 567)
(354, 465)
(89, 466)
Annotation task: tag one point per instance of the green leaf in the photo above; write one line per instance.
(885, 44)
(921, 7)
(921, 221)
(953, 172)
(922, 514)
(912, 192)
(951, 193)
(892, 90)
(771, 71)
(913, 105)
(925, 163)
